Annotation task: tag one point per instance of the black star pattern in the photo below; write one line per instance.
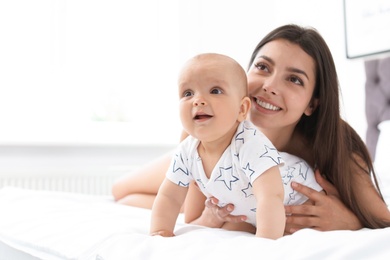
(175, 168)
(247, 191)
(289, 175)
(227, 176)
(183, 184)
(239, 136)
(302, 171)
(200, 182)
(249, 172)
(250, 128)
(272, 153)
(291, 196)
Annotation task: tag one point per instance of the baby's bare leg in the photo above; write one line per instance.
(242, 226)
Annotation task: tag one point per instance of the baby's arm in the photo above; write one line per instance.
(270, 214)
(166, 208)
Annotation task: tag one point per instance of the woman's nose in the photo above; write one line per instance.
(269, 86)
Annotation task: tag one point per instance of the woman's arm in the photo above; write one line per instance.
(367, 194)
(324, 212)
(140, 188)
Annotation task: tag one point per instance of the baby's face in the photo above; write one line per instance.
(210, 98)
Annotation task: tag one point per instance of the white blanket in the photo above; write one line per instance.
(55, 225)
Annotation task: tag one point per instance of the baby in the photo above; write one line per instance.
(227, 156)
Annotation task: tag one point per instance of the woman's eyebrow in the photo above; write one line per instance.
(267, 59)
(291, 69)
(295, 70)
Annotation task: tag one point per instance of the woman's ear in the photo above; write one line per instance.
(244, 109)
(311, 107)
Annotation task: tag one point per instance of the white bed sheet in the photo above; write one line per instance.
(56, 225)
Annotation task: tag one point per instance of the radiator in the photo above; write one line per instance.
(94, 184)
(89, 169)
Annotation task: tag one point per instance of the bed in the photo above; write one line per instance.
(59, 225)
(42, 224)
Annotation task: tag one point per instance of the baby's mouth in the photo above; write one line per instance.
(201, 116)
(198, 117)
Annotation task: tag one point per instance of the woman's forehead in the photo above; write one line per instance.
(284, 52)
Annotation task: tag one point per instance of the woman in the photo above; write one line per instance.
(294, 90)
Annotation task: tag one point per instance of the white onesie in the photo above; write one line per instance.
(249, 155)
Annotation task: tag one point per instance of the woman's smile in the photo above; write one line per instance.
(266, 105)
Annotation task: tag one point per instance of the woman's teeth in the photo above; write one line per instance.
(267, 105)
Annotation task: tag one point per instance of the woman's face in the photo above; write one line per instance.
(281, 82)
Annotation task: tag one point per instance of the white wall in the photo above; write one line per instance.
(235, 27)
(103, 71)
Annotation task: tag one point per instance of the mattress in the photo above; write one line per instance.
(60, 225)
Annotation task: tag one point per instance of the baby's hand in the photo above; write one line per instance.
(222, 213)
(163, 233)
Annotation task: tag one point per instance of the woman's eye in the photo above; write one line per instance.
(296, 80)
(261, 66)
(216, 91)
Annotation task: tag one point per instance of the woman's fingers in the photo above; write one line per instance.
(297, 222)
(304, 209)
(325, 184)
(312, 194)
(321, 211)
(307, 215)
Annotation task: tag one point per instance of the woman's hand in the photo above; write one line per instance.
(214, 216)
(323, 212)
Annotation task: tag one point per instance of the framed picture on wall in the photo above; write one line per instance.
(367, 27)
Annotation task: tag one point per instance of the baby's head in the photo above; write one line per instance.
(215, 68)
(213, 95)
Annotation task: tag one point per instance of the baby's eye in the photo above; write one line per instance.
(187, 93)
(296, 80)
(216, 91)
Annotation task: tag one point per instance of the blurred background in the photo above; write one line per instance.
(90, 85)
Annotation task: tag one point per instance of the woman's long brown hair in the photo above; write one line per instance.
(335, 143)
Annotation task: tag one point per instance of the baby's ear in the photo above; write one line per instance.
(244, 109)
